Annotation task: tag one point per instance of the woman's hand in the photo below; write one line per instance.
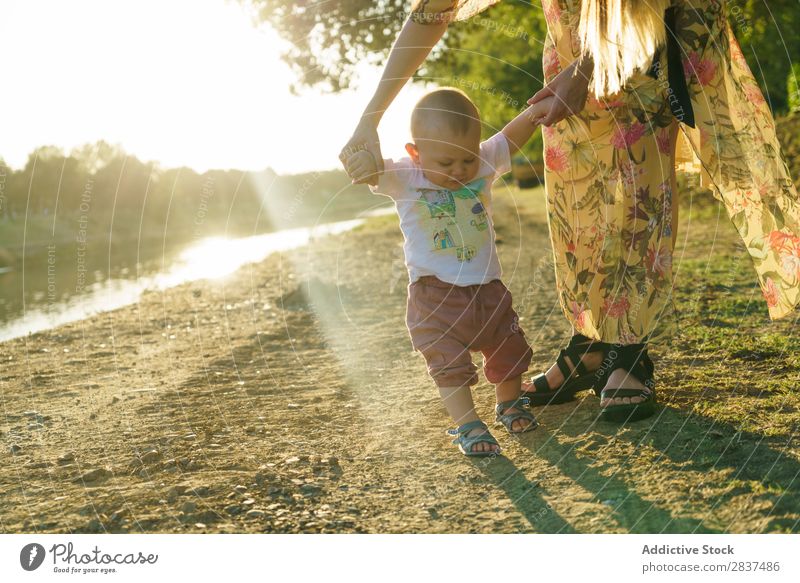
(365, 137)
(362, 166)
(569, 89)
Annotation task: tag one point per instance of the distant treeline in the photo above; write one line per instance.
(106, 192)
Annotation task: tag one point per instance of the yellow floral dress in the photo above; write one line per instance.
(608, 175)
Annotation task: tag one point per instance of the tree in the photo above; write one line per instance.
(95, 156)
(43, 174)
(769, 33)
(495, 57)
(793, 88)
(329, 39)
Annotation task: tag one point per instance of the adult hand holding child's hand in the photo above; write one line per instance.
(359, 166)
(569, 90)
(362, 167)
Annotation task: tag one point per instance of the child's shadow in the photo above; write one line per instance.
(683, 442)
(524, 494)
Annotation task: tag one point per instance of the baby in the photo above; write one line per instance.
(456, 301)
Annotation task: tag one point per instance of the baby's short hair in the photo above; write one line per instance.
(449, 106)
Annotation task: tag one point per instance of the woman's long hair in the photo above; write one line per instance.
(621, 36)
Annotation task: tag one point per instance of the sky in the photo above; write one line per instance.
(183, 82)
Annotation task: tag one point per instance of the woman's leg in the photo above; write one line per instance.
(674, 184)
(620, 377)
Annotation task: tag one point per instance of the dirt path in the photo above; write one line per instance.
(287, 398)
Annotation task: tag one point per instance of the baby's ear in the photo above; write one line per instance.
(413, 152)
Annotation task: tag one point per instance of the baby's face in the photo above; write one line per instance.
(448, 159)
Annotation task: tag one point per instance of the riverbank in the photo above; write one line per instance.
(286, 398)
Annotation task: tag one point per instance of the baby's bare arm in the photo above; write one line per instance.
(521, 128)
(541, 108)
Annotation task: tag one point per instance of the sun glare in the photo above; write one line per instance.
(180, 82)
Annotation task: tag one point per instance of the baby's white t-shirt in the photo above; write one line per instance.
(448, 233)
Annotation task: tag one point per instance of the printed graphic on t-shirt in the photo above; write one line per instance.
(447, 233)
(480, 221)
(440, 203)
(456, 219)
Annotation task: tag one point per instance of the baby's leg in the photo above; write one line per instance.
(506, 354)
(450, 365)
(459, 404)
(430, 318)
(511, 390)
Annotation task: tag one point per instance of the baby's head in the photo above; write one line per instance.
(446, 129)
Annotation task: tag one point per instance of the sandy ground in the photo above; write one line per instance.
(287, 398)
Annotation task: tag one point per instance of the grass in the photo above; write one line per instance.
(729, 364)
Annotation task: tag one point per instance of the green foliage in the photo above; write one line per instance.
(793, 88)
(496, 56)
(788, 130)
(328, 40)
(769, 33)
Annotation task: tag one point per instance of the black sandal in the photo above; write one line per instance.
(575, 380)
(635, 361)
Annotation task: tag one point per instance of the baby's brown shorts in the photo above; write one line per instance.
(447, 321)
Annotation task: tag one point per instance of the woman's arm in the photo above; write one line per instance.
(412, 46)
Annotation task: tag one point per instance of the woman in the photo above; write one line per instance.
(659, 70)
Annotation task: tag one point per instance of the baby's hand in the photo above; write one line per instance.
(539, 110)
(362, 167)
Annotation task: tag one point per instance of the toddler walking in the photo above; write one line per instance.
(456, 301)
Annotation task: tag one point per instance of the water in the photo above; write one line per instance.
(44, 294)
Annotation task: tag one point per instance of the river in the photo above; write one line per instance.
(61, 283)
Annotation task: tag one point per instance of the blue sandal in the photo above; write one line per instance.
(508, 419)
(465, 442)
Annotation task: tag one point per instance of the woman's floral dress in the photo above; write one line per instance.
(608, 176)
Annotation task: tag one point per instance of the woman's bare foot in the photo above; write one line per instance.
(621, 378)
(554, 376)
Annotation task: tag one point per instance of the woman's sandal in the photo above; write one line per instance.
(465, 442)
(635, 361)
(508, 419)
(575, 380)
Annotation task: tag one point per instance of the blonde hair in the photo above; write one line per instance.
(622, 37)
